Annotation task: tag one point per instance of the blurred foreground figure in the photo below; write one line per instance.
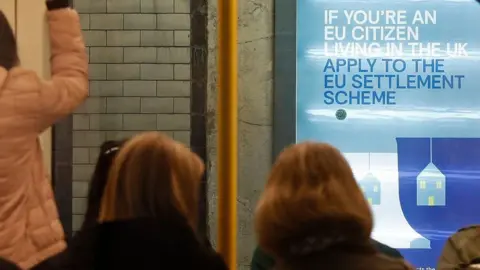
(148, 213)
(30, 230)
(313, 215)
(462, 250)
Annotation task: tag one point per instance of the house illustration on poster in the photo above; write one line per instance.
(431, 187)
(371, 188)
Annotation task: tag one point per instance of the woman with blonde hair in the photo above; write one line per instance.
(313, 215)
(148, 212)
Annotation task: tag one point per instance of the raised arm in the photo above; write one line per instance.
(68, 86)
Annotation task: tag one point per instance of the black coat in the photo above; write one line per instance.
(8, 265)
(263, 261)
(135, 245)
(346, 257)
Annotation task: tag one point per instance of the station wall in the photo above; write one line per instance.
(255, 78)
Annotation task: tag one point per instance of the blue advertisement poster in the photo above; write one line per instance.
(395, 85)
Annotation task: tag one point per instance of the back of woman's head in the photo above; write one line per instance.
(108, 151)
(311, 193)
(8, 45)
(153, 176)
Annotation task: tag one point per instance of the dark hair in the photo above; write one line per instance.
(8, 45)
(108, 151)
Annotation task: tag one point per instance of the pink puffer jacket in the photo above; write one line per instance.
(30, 230)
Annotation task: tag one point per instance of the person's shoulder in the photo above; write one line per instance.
(387, 250)
(216, 262)
(371, 261)
(22, 79)
(17, 72)
(203, 257)
(8, 265)
(386, 262)
(261, 260)
(471, 228)
(466, 233)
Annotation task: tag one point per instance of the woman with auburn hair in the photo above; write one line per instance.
(148, 212)
(313, 215)
(153, 176)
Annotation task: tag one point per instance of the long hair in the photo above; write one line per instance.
(311, 198)
(8, 45)
(108, 151)
(153, 176)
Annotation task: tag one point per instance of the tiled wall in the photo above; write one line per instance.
(139, 52)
